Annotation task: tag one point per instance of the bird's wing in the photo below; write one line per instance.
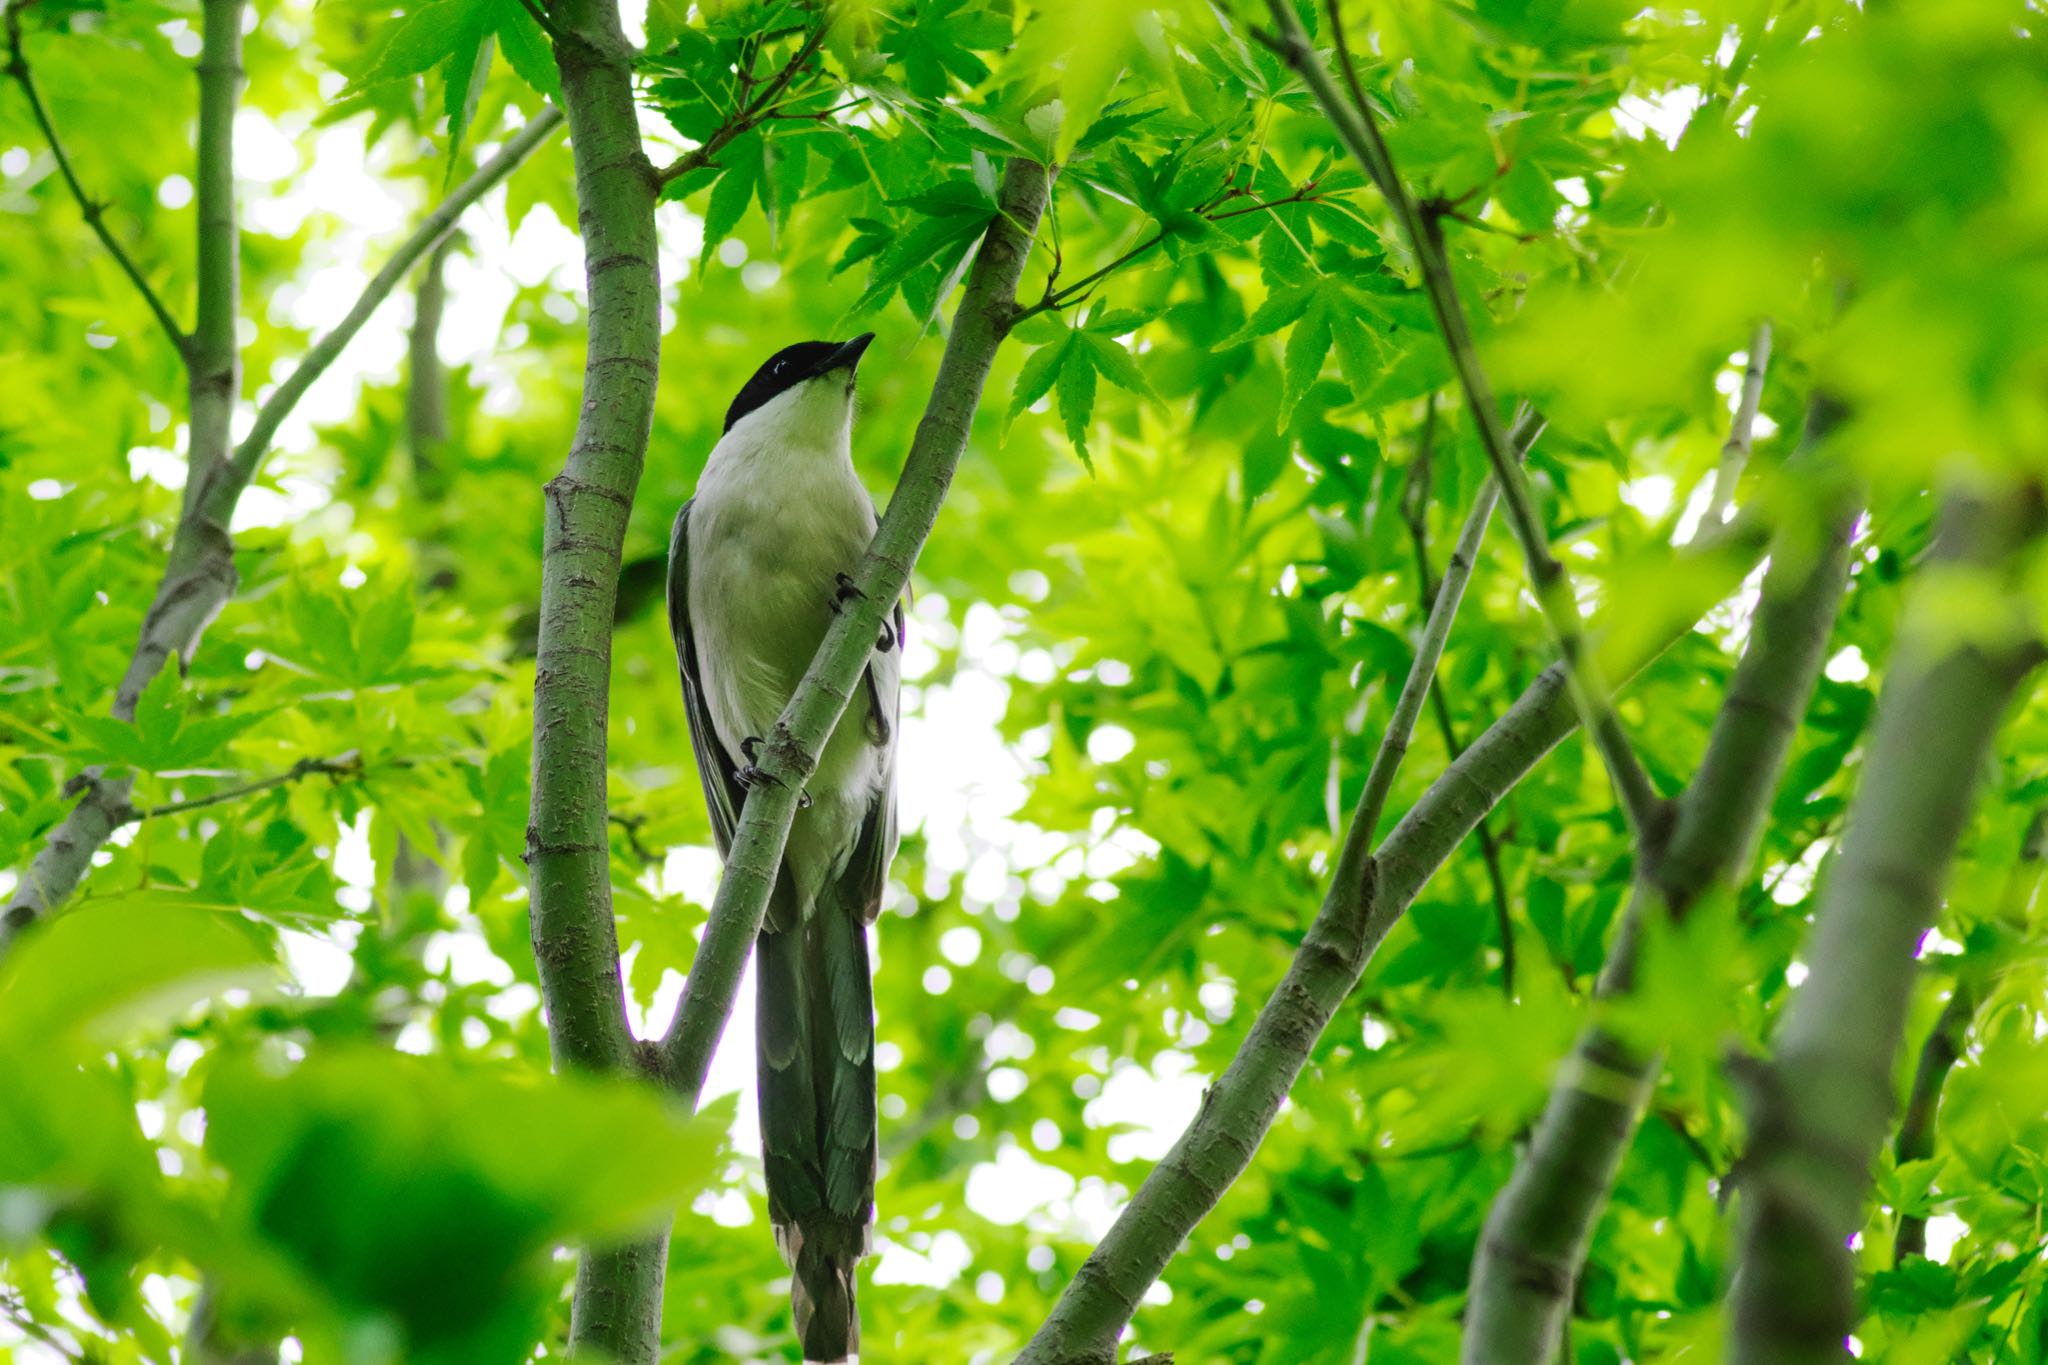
(715, 767)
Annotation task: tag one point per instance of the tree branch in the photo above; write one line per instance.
(1819, 1109)
(348, 765)
(426, 384)
(1059, 298)
(1538, 1231)
(1414, 514)
(1944, 1045)
(1915, 1142)
(199, 575)
(1393, 747)
(1236, 1112)
(986, 313)
(428, 235)
(1238, 1109)
(616, 1309)
(750, 114)
(1741, 427)
(93, 211)
(1360, 133)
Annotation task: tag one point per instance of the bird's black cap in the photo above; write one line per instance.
(792, 365)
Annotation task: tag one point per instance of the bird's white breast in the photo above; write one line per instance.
(779, 513)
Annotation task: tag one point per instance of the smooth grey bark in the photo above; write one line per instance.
(1238, 1109)
(1821, 1106)
(1537, 1233)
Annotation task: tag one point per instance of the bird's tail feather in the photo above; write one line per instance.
(815, 1050)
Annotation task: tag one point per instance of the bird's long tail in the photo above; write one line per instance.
(816, 1054)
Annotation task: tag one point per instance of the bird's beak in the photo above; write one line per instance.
(847, 357)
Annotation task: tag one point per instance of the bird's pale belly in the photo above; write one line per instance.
(772, 616)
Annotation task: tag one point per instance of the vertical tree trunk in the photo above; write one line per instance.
(617, 1306)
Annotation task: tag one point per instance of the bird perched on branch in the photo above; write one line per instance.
(758, 561)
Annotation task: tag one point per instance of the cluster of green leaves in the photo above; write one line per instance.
(1179, 570)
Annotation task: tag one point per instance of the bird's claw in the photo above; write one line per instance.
(848, 590)
(752, 775)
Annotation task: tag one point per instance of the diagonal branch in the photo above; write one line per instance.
(1538, 1231)
(433, 229)
(1436, 631)
(1741, 427)
(92, 209)
(199, 575)
(1238, 1109)
(1413, 504)
(1357, 127)
(750, 114)
(1220, 1143)
(986, 313)
(1820, 1107)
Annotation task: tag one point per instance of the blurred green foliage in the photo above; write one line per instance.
(1159, 629)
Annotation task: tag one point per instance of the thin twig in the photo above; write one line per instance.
(757, 109)
(1359, 130)
(540, 16)
(347, 765)
(1415, 512)
(94, 211)
(1429, 650)
(438, 224)
(1741, 428)
(1055, 299)
(16, 1311)
(631, 825)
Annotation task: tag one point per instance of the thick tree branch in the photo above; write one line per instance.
(199, 575)
(1359, 131)
(1238, 1109)
(426, 382)
(93, 211)
(987, 309)
(616, 1311)
(1741, 427)
(1820, 1108)
(1236, 1112)
(1538, 1231)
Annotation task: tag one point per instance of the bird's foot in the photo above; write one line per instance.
(751, 775)
(845, 592)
